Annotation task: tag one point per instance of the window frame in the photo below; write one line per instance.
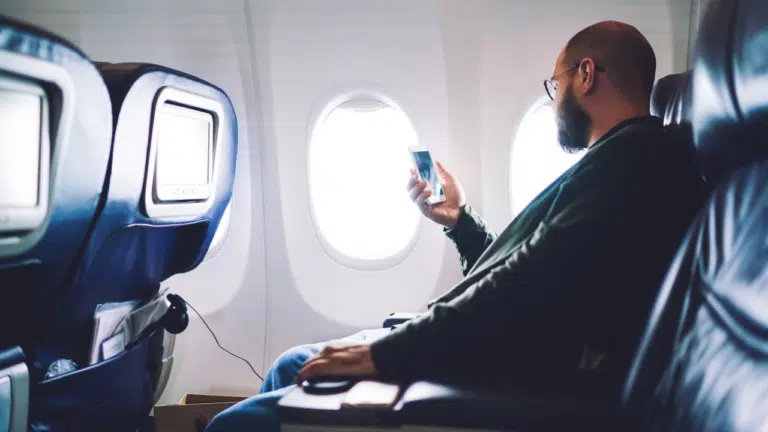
(535, 106)
(317, 118)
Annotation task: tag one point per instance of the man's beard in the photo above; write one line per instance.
(573, 124)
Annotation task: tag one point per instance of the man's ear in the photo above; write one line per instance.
(587, 71)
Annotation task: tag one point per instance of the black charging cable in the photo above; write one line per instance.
(217, 342)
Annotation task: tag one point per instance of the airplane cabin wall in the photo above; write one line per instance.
(463, 72)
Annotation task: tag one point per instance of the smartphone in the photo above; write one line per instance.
(424, 165)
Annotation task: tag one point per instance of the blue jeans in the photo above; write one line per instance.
(259, 412)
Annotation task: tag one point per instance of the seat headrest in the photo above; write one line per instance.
(139, 88)
(74, 131)
(56, 104)
(171, 198)
(33, 39)
(730, 86)
(670, 99)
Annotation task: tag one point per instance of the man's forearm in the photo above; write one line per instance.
(471, 236)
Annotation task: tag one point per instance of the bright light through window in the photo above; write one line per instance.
(537, 159)
(358, 172)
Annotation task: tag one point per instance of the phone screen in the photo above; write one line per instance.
(428, 172)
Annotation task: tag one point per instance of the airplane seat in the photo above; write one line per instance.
(397, 318)
(703, 360)
(55, 138)
(670, 99)
(170, 180)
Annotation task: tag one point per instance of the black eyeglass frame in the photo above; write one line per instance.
(553, 82)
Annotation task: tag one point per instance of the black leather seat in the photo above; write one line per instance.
(703, 362)
(671, 99)
(73, 128)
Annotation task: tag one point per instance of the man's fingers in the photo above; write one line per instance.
(339, 344)
(441, 171)
(340, 364)
(346, 361)
(312, 369)
(328, 351)
(321, 356)
(418, 189)
(335, 365)
(412, 182)
(336, 346)
(309, 363)
(422, 198)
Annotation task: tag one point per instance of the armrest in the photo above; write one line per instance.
(426, 403)
(14, 390)
(10, 357)
(397, 318)
(430, 404)
(300, 407)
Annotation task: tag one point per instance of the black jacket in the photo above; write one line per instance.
(579, 267)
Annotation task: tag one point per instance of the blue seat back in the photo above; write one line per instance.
(37, 263)
(135, 245)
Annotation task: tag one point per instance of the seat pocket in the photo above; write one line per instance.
(114, 395)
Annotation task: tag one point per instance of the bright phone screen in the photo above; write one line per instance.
(428, 172)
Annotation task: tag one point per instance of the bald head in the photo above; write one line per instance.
(602, 77)
(622, 51)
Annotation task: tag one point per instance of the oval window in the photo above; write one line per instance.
(358, 170)
(536, 158)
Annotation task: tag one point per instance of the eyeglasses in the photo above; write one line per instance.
(550, 85)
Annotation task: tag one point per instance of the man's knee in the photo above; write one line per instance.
(284, 370)
(291, 361)
(288, 365)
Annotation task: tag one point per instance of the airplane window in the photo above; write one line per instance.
(536, 159)
(358, 170)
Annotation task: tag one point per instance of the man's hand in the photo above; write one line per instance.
(339, 360)
(445, 213)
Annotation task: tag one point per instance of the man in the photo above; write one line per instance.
(563, 293)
